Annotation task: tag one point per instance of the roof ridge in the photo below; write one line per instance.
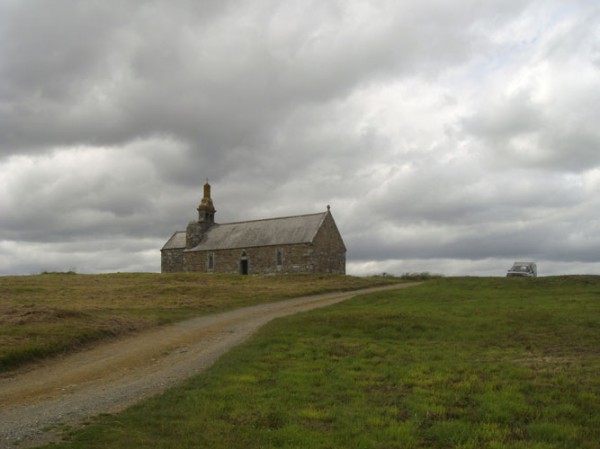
(271, 219)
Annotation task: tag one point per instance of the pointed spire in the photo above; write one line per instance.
(206, 198)
(206, 209)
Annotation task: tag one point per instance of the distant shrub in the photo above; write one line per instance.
(59, 272)
(424, 276)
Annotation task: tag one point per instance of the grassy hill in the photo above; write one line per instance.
(455, 363)
(56, 312)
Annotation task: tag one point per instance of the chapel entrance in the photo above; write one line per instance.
(244, 266)
(244, 263)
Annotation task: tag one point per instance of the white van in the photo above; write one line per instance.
(523, 269)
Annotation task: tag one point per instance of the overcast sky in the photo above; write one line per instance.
(452, 137)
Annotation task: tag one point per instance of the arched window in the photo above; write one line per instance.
(279, 257)
(211, 261)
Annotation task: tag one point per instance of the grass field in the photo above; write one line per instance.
(455, 363)
(51, 313)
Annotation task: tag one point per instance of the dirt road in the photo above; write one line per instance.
(115, 375)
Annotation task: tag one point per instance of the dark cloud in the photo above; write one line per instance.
(220, 77)
(449, 133)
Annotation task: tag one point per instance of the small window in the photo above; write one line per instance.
(279, 257)
(211, 261)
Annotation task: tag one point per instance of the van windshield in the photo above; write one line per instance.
(520, 268)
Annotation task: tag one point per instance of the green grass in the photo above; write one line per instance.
(454, 363)
(51, 313)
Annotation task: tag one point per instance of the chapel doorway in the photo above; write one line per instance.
(244, 263)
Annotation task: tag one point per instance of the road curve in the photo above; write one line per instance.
(117, 374)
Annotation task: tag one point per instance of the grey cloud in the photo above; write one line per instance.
(549, 120)
(565, 242)
(220, 79)
(110, 255)
(431, 130)
(521, 133)
(497, 123)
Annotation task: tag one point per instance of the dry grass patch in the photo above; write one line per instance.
(56, 312)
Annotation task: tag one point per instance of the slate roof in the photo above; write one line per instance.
(176, 241)
(247, 234)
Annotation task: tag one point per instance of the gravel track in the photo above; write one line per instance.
(67, 390)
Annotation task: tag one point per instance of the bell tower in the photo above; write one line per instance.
(206, 209)
(206, 218)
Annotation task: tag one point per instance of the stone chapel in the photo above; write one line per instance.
(298, 244)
